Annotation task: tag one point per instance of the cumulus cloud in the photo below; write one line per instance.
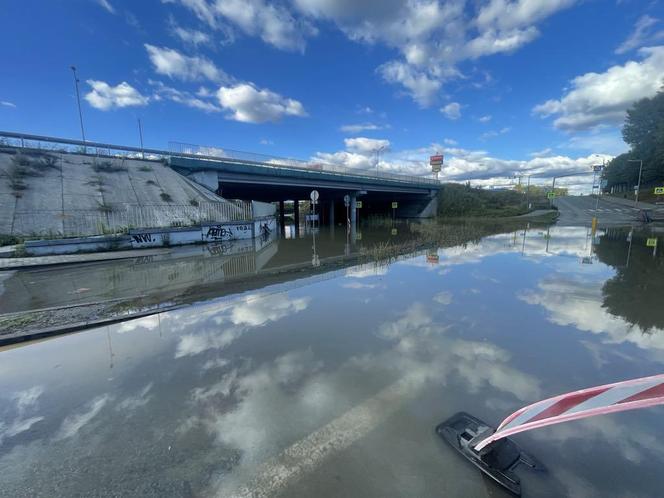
(248, 104)
(171, 63)
(461, 165)
(365, 145)
(189, 36)
(431, 36)
(452, 110)
(273, 23)
(105, 97)
(597, 99)
(643, 34)
(181, 97)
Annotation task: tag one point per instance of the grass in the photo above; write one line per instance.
(108, 167)
(456, 201)
(104, 208)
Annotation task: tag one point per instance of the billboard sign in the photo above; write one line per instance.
(436, 163)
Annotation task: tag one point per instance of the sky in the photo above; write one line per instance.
(500, 87)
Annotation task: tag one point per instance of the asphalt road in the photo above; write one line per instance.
(579, 210)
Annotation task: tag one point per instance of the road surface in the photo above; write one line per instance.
(579, 210)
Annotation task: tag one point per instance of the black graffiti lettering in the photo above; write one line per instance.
(142, 238)
(218, 232)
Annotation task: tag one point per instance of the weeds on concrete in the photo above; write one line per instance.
(108, 167)
(166, 197)
(104, 208)
(194, 202)
(145, 168)
(151, 182)
(9, 240)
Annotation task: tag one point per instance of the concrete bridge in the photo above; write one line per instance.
(247, 176)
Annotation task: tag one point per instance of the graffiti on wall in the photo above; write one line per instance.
(226, 232)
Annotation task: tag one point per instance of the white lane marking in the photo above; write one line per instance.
(308, 453)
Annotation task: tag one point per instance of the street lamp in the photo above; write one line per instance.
(378, 151)
(78, 100)
(638, 185)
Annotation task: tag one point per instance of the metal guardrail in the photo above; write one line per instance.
(191, 151)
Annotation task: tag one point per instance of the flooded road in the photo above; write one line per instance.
(328, 377)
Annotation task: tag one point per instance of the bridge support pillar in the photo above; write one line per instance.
(331, 213)
(282, 217)
(296, 216)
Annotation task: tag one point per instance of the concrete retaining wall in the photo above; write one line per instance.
(259, 229)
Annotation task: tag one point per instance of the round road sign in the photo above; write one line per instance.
(314, 196)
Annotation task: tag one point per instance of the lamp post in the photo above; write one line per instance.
(78, 100)
(378, 151)
(638, 185)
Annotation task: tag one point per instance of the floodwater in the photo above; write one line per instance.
(330, 382)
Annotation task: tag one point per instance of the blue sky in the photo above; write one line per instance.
(500, 86)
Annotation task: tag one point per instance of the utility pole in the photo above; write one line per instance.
(638, 185)
(140, 134)
(78, 100)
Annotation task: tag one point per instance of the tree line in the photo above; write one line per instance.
(643, 131)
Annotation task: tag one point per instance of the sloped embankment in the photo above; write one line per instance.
(59, 194)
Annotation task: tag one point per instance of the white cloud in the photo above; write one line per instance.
(485, 119)
(248, 104)
(192, 37)
(450, 141)
(6, 103)
(106, 5)
(431, 36)
(74, 423)
(365, 145)
(174, 64)
(181, 97)
(104, 96)
(274, 23)
(359, 127)
(542, 153)
(444, 298)
(422, 86)
(643, 34)
(598, 99)
(495, 133)
(452, 110)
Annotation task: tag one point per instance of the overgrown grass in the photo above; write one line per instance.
(9, 240)
(166, 197)
(108, 167)
(456, 201)
(145, 168)
(194, 202)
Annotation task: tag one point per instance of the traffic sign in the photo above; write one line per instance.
(358, 204)
(395, 205)
(347, 200)
(394, 231)
(597, 167)
(651, 242)
(314, 196)
(551, 195)
(659, 190)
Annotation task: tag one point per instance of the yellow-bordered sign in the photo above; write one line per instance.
(659, 190)
(651, 242)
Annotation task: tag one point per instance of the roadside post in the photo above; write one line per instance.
(395, 205)
(314, 200)
(347, 204)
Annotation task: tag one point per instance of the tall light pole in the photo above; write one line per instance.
(140, 135)
(78, 100)
(638, 185)
(378, 151)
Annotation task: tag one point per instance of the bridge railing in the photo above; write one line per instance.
(178, 149)
(221, 153)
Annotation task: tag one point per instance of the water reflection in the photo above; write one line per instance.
(330, 383)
